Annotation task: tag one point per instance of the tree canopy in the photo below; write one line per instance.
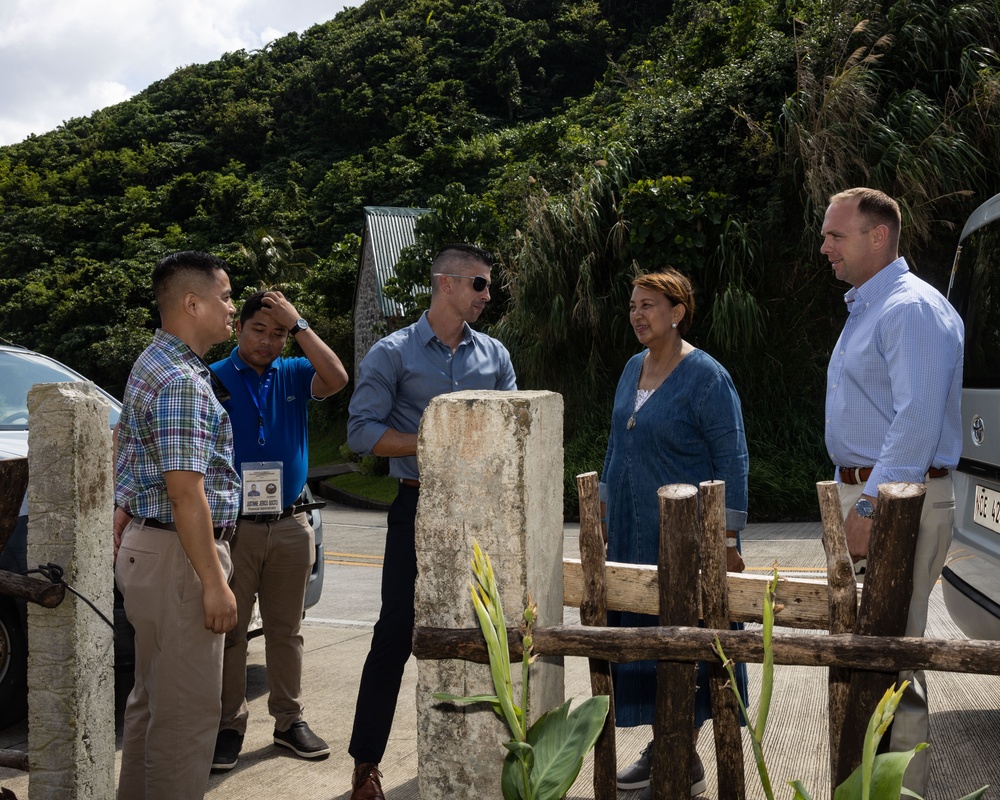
(577, 139)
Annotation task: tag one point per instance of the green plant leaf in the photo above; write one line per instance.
(886, 778)
(512, 777)
(560, 739)
(800, 791)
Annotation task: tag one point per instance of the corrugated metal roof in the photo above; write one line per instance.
(391, 229)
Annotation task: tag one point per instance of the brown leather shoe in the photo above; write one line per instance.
(366, 784)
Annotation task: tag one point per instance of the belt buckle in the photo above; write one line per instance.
(225, 533)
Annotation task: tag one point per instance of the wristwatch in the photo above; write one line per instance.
(864, 508)
(299, 326)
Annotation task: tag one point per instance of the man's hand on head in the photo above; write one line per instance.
(278, 307)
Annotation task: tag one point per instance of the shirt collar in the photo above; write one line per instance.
(879, 284)
(173, 344)
(427, 335)
(238, 363)
(242, 366)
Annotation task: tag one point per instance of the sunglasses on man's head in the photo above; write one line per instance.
(479, 283)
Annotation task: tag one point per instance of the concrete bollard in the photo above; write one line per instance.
(71, 739)
(491, 469)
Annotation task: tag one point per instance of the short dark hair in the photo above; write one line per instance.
(458, 252)
(253, 304)
(187, 262)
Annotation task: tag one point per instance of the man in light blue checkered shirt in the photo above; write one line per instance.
(892, 410)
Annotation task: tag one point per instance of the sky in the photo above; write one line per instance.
(61, 59)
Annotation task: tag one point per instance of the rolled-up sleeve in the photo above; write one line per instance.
(372, 402)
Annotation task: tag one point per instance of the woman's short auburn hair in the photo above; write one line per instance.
(676, 287)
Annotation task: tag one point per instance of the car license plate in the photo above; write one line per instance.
(987, 508)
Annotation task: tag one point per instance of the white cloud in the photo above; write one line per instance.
(61, 59)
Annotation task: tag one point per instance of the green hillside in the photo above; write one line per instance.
(570, 137)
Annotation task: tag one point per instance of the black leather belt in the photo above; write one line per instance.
(223, 534)
(269, 517)
(294, 509)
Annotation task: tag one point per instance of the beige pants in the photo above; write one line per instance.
(272, 560)
(172, 714)
(911, 724)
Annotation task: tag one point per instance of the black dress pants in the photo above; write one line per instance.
(392, 641)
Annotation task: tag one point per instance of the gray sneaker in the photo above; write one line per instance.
(636, 774)
(698, 782)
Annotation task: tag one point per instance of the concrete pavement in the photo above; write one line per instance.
(965, 722)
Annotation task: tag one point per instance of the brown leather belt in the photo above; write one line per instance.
(410, 482)
(222, 534)
(852, 476)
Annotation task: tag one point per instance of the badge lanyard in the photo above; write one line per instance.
(259, 399)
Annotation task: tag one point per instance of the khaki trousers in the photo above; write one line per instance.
(172, 713)
(272, 561)
(911, 725)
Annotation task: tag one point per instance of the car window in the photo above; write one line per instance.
(18, 373)
(976, 294)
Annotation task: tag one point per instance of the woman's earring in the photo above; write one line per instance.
(674, 325)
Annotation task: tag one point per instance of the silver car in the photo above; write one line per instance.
(20, 369)
(971, 576)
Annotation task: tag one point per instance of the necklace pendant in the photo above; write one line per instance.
(631, 422)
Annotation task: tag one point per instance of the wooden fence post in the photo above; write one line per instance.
(594, 611)
(843, 593)
(885, 603)
(13, 483)
(673, 738)
(715, 613)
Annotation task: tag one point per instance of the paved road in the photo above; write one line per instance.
(966, 719)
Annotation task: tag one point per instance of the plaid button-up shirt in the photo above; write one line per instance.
(171, 420)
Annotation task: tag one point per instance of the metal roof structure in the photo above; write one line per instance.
(390, 230)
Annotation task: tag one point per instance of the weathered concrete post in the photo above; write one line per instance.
(71, 738)
(491, 469)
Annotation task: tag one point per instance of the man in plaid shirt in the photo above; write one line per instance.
(174, 476)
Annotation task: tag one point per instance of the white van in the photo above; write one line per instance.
(971, 576)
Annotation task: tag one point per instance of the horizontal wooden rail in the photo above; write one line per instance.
(680, 643)
(800, 602)
(14, 759)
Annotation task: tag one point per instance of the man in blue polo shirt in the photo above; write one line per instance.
(273, 550)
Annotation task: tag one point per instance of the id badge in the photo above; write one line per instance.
(261, 487)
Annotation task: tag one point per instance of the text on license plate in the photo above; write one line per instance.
(987, 508)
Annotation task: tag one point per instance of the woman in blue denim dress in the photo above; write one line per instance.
(676, 419)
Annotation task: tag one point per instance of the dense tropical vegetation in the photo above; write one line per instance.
(572, 137)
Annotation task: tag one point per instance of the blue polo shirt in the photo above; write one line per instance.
(284, 412)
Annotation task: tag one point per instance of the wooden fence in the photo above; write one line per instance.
(864, 649)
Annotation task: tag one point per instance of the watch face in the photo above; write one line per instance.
(864, 509)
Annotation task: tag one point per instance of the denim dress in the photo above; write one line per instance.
(689, 430)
